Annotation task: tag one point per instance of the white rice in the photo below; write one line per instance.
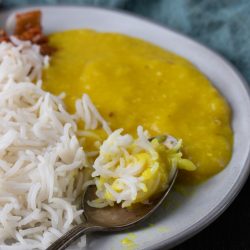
(119, 173)
(39, 152)
(116, 162)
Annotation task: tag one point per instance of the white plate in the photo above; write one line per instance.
(186, 215)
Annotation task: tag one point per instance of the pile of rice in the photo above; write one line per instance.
(130, 170)
(41, 159)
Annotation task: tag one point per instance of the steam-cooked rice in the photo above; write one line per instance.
(41, 160)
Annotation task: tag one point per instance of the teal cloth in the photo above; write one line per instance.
(223, 25)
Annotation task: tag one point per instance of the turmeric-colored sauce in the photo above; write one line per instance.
(133, 82)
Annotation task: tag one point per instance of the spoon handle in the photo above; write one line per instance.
(72, 235)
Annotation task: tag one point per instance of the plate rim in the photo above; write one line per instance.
(242, 178)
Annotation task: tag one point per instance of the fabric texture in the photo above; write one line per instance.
(222, 25)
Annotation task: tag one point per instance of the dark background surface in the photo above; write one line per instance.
(223, 25)
(231, 231)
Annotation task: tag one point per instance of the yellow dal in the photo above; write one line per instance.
(133, 83)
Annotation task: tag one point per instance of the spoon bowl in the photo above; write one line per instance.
(111, 218)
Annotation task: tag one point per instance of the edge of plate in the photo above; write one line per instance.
(234, 191)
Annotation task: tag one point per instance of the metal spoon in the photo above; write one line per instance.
(110, 219)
